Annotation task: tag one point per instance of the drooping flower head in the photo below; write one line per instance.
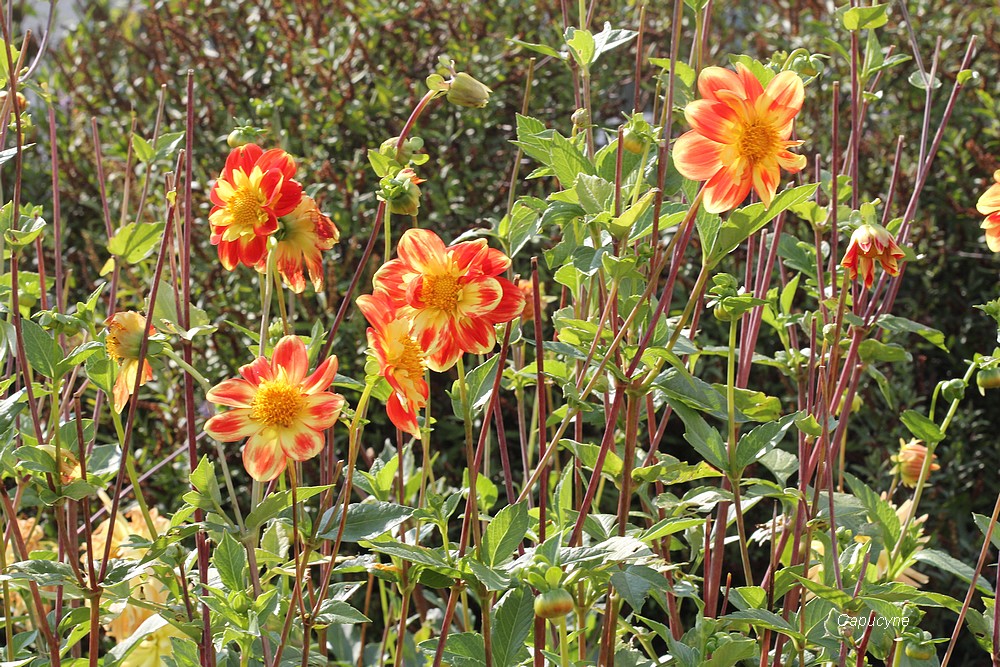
(871, 242)
(740, 135)
(254, 189)
(454, 295)
(989, 205)
(910, 461)
(302, 237)
(125, 330)
(400, 359)
(282, 411)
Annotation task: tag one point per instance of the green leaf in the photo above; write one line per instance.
(275, 503)
(732, 653)
(504, 533)
(623, 224)
(462, 649)
(880, 512)
(581, 46)
(952, 565)
(610, 39)
(744, 222)
(759, 618)
(917, 80)
(922, 428)
(43, 353)
(984, 524)
(30, 230)
(902, 325)
(588, 454)
(519, 227)
(479, 383)
(365, 521)
(135, 241)
(567, 161)
(758, 442)
(413, 554)
(706, 440)
(538, 48)
(858, 18)
(512, 620)
(230, 559)
(143, 149)
(594, 193)
(635, 582)
(333, 612)
(872, 350)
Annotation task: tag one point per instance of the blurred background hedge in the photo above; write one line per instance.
(331, 79)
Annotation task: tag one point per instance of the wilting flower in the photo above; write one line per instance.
(125, 330)
(871, 242)
(739, 136)
(302, 237)
(254, 189)
(400, 359)
(453, 295)
(280, 409)
(989, 205)
(910, 461)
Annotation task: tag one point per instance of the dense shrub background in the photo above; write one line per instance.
(332, 79)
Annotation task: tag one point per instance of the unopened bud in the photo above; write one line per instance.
(465, 91)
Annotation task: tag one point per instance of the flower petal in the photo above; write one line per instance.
(713, 79)
(786, 90)
(231, 426)
(714, 120)
(377, 308)
(290, 355)
(235, 393)
(696, 157)
(321, 411)
(479, 297)
(511, 304)
(257, 371)
(263, 457)
(766, 177)
(253, 250)
(990, 201)
(751, 84)
(321, 378)
(403, 417)
(302, 444)
(728, 188)
(421, 249)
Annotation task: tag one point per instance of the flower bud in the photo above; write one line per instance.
(242, 136)
(556, 603)
(465, 91)
(404, 154)
(401, 192)
(988, 378)
(581, 119)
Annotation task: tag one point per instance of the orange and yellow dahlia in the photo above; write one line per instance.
(989, 205)
(302, 237)
(254, 189)
(282, 411)
(453, 295)
(910, 461)
(400, 359)
(870, 243)
(125, 330)
(740, 135)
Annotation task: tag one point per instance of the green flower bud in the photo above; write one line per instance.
(405, 152)
(581, 119)
(466, 91)
(401, 193)
(988, 378)
(556, 603)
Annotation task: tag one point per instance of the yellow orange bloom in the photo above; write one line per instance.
(870, 243)
(254, 189)
(282, 411)
(454, 295)
(527, 290)
(740, 135)
(400, 358)
(125, 330)
(910, 461)
(989, 205)
(302, 237)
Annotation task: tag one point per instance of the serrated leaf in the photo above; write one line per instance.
(479, 383)
(512, 620)
(230, 560)
(922, 428)
(866, 18)
(504, 533)
(136, 241)
(365, 521)
(43, 353)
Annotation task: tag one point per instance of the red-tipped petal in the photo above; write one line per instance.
(288, 198)
(445, 355)
(234, 393)
(377, 308)
(473, 334)
(263, 457)
(786, 90)
(751, 85)
(229, 254)
(302, 444)
(243, 158)
(321, 378)
(469, 256)
(257, 371)
(393, 278)
(480, 297)
(727, 189)
(696, 157)
(511, 304)
(403, 418)
(231, 426)
(251, 251)
(766, 177)
(421, 249)
(713, 120)
(278, 159)
(321, 411)
(290, 354)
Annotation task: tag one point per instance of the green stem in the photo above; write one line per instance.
(265, 304)
(191, 370)
(731, 410)
(463, 392)
(563, 643)
(132, 477)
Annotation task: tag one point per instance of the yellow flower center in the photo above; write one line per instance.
(757, 141)
(412, 359)
(276, 403)
(245, 208)
(441, 291)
